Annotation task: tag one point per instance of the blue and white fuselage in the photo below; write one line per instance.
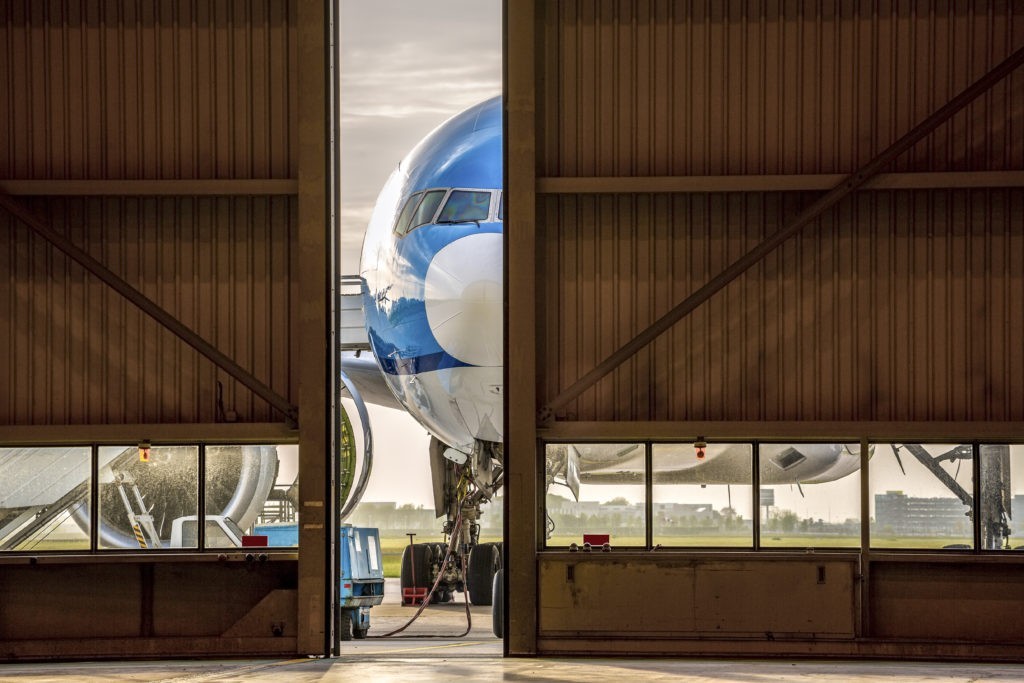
(432, 279)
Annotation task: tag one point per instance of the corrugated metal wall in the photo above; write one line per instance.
(896, 305)
(735, 87)
(900, 305)
(161, 92)
(77, 352)
(147, 89)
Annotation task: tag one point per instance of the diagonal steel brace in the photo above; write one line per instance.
(150, 308)
(848, 185)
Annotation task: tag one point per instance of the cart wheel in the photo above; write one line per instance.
(359, 633)
(345, 625)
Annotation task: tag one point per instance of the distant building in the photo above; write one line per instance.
(898, 514)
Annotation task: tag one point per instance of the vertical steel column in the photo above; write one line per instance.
(523, 523)
(314, 348)
(648, 495)
(331, 485)
(755, 471)
(862, 588)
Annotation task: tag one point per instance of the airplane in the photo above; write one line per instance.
(431, 286)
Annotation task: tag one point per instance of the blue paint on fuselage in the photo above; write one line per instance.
(464, 152)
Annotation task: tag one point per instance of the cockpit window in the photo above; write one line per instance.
(464, 206)
(402, 224)
(501, 206)
(425, 211)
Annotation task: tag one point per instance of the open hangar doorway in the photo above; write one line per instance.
(400, 85)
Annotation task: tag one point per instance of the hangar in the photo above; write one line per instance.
(776, 227)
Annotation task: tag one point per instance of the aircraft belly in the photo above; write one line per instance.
(457, 405)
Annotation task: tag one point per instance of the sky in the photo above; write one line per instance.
(406, 67)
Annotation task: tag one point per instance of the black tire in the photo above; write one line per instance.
(484, 562)
(345, 625)
(498, 604)
(422, 558)
(359, 633)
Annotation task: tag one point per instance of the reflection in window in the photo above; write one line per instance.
(810, 495)
(1002, 497)
(921, 496)
(596, 490)
(141, 497)
(465, 206)
(278, 518)
(402, 224)
(44, 498)
(246, 486)
(702, 498)
(427, 208)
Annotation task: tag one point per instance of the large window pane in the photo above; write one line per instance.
(44, 498)
(1002, 497)
(250, 490)
(142, 497)
(810, 495)
(702, 498)
(921, 496)
(596, 489)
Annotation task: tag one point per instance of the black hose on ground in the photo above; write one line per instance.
(452, 542)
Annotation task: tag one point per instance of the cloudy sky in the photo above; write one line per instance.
(406, 67)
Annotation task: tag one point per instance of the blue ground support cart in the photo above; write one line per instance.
(361, 581)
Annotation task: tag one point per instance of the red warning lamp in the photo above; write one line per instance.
(700, 446)
(144, 449)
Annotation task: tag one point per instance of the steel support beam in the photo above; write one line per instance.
(524, 495)
(774, 183)
(149, 307)
(849, 185)
(242, 187)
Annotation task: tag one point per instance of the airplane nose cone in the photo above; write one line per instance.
(463, 297)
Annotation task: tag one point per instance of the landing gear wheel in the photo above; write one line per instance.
(484, 562)
(421, 558)
(498, 604)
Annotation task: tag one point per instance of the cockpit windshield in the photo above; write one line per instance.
(425, 211)
(461, 206)
(464, 206)
(402, 224)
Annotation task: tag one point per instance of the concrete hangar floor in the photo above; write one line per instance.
(430, 660)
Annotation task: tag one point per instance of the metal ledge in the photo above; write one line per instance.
(146, 557)
(925, 431)
(151, 188)
(262, 433)
(776, 183)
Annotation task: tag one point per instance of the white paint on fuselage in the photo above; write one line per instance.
(463, 296)
(457, 405)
